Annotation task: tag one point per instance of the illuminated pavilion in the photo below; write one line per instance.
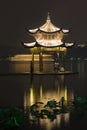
(48, 39)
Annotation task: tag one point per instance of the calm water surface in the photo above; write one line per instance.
(22, 91)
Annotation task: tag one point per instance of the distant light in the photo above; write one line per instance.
(82, 45)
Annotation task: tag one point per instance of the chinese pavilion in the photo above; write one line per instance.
(48, 39)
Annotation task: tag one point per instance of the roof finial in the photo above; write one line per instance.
(48, 17)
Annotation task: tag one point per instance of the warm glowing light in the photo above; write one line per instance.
(41, 92)
(65, 95)
(65, 31)
(60, 91)
(63, 48)
(66, 117)
(48, 35)
(69, 44)
(30, 44)
(48, 125)
(58, 120)
(49, 43)
(33, 30)
(48, 26)
(31, 96)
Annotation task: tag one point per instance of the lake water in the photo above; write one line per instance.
(22, 90)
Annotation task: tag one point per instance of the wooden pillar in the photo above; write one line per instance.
(32, 63)
(40, 62)
(59, 56)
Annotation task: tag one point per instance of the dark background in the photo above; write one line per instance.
(16, 16)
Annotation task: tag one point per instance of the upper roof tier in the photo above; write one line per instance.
(48, 35)
(48, 27)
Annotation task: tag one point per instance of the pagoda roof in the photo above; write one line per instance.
(48, 27)
(48, 35)
(35, 44)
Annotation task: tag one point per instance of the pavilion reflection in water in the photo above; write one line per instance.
(43, 94)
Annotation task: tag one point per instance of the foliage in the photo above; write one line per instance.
(13, 118)
(80, 105)
(49, 110)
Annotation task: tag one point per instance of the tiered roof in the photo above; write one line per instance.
(48, 35)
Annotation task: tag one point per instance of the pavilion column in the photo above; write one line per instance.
(32, 63)
(40, 62)
(63, 57)
(59, 56)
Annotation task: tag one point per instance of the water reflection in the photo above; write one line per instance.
(62, 118)
(81, 66)
(43, 92)
(43, 88)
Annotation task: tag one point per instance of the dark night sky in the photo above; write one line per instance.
(16, 16)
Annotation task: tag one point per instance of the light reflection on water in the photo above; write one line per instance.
(42, 88)
(44, 94)
(48, 125)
